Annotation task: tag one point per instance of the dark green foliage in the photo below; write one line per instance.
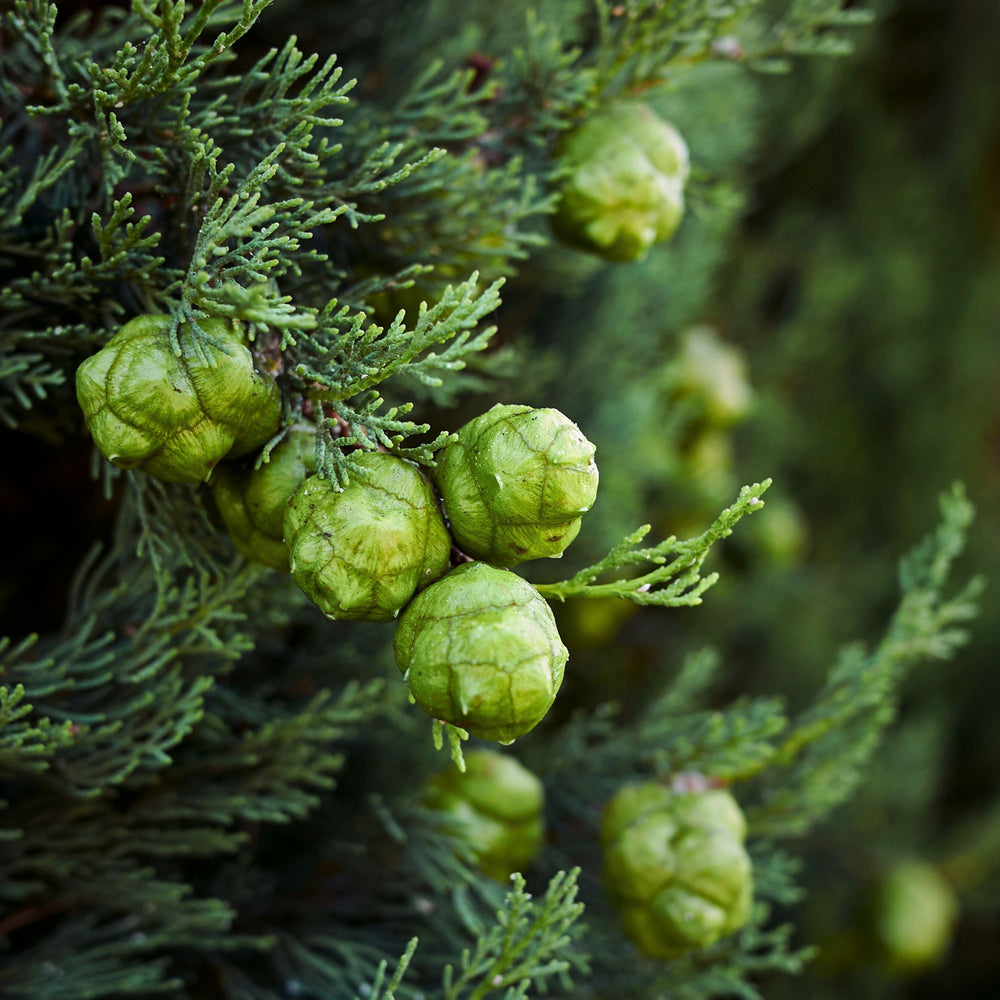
(208, 790)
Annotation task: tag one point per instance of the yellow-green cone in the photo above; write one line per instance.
(175, 417)
(625, 186)
(498, 805)
(675, 867)
(516, 484)
(914, 914)
(252, 502)
(363, 552)
(480, 649)
(713, 374)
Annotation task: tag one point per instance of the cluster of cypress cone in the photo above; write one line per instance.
(477, 645)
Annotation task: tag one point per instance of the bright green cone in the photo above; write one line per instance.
(516, 484)
(480, 649)
(363, 552)
(175, 417)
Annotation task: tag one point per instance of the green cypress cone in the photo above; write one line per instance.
(675, 867)
(363, 552)
(175, 417)
(252, 502)
(516, 484)
(498, 805)
(480, 649)
(625, 187)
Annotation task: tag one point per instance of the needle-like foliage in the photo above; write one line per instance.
(208, 790)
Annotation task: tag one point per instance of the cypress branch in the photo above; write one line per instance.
(672, 583)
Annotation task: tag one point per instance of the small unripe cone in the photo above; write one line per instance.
(480, 649)
(361, 553)
(175, 417)
(516, 483)
(675, 866)
(252, 502)
(714, 375)
(625, 188)
(914, 913)
(498, 804)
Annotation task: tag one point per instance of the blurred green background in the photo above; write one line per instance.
(858, 276)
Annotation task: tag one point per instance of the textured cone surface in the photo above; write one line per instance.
(497, 804)
(252, 502)
(363, 552)
(175, 417)
(516, 484)
(480, 649)
(675, 866)
(625, 188)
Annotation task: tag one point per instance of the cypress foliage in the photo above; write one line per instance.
(207, 789)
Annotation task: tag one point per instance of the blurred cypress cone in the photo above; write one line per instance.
(914, 912)
(675, 867)
(625, 187)
(498, 805)
(713, 374)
